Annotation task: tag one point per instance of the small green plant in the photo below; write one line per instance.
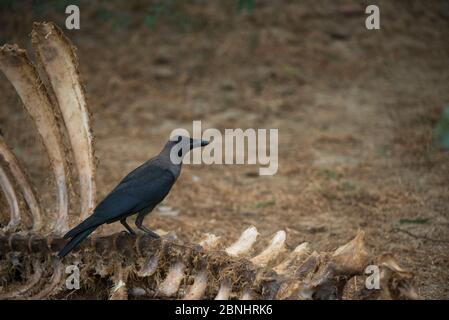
(328, 174)
(441, 132)
(154, 12)
(247, 5)
(347, 186)
(263, 204)
(414, 221)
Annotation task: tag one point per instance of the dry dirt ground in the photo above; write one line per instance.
(355, 111)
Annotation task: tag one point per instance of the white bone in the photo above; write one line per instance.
(23, 182)
(293, 259)
(225, 290)
(275, 248)
(198, 288)
(11, 198)
(174, 277)
(61, 68)
(244, 244)
(23, 76)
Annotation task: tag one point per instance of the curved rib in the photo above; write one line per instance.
(21, 290)
(56, 55)
(11, 198)
(23, 182)
(56, 279)
(22, 74)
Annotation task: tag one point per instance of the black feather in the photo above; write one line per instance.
(74, 242)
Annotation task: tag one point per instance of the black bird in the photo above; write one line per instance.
(139, 192)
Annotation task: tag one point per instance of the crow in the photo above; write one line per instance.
(139, 192)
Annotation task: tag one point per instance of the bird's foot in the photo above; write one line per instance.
(149, 232)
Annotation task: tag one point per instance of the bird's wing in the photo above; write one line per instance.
(147, 188)
(139, 170)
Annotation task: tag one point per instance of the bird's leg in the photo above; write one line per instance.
(139, 225)
(126, 225)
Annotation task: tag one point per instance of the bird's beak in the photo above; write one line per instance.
(198, 143)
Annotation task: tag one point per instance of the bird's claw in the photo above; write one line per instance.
(149, 232)
(152, 234)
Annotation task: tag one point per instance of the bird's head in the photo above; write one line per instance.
(179, 146)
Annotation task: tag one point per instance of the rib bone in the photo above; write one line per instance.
(23, 182)
(23, 289)
(23, 76)
(54, 283)
(11, 198)
(58, 58)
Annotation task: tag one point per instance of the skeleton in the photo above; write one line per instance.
(123, 266)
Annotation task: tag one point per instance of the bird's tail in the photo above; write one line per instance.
(90, 222)
(75, 241)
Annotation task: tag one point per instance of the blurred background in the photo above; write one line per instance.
(360, 113)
